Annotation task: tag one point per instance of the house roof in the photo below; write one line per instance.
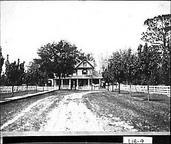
(77, 65)
(94, 75)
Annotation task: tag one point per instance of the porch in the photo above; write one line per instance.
(78, 83)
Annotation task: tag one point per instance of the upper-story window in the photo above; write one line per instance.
(84, 63)
(84, 71)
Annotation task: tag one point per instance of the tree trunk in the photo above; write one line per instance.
(148, 93)
(112, 87)
(71, 84)
(17, 89)
(27, 88)
(59, 83)
(12, 90)
(119, 89)
(130, 89)
(164, 40)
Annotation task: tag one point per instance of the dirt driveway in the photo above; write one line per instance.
(62, 113)
(86, 111)
(72, 115)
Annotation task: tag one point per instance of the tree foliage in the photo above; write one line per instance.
(116, 66)
(130, 62)
(158, 30)
(158, 35)
(60, 58)
(1, 61)
(121, 67)
(151, 64)
(34, 75)
(15, 73)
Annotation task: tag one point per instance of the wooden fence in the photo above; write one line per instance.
(8, 89)
(143, 88)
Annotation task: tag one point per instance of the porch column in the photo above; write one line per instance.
(88, 83)
(61, 83)
(69, 83)
(77, 84)
(54, 82)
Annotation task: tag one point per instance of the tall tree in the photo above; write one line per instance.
(165, 72)
(1, 61)
(116, 67)
(58, 58)
(149, 58)
(107, 76)
(158, 30)
(34, 76)
(15, 73)
(159, 33)
(130, 62)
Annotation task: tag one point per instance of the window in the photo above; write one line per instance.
(84, 63)
(84, 71)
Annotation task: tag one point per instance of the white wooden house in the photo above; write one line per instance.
(84, 77)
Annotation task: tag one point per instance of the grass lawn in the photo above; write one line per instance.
(144, 115)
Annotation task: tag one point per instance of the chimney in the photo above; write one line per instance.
(7, 61)
(18, 62)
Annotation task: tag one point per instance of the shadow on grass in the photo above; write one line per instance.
(159, 100)
(141, 96)
(153, 97)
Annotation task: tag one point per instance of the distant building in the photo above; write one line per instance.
(84, 77)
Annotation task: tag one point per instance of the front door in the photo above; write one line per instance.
(73, 84)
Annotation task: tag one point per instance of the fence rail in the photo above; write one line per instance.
(139, 88)
(8, 89)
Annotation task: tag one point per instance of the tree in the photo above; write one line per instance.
(34, 75)
(58, 58)
(159, 33)
(165, 73)
(15, 73)
(148, 60)
(130, 62)
(3, 80)
(158, 30)
(1, 61)
(107, 77)
(116, 67)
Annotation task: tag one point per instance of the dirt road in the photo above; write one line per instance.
(67, 115)
(72, 115)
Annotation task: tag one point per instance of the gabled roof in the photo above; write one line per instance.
(78, 60)
(77, 65)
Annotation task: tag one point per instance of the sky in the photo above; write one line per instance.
(97, 27)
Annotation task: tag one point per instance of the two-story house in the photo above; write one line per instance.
(84, 77)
